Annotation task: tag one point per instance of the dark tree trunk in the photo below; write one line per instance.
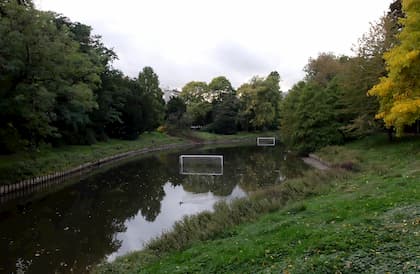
(390, 133)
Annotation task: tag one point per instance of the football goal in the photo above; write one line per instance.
(201, 164)
(266, 141)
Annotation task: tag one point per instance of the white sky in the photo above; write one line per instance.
(197, 40)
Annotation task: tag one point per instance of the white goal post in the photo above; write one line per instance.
(266, 141)
(201, 165)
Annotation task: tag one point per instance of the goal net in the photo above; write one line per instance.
(201, 164)
(266, 141)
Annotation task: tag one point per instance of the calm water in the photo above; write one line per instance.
(119, 209)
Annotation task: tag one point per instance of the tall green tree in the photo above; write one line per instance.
(57, 84)
(364, 70)
(194, 92)
(309, 117)
(131, 121)
(323, 69)
(225, 115)
(152, 100)
(197, 97)
(102, 57)
(356, 109)
(111, 97)
(219, 87)
(260, 102)
(273, 84)
(176, 118)
(46, 83)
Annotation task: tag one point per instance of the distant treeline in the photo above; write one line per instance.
(58, 86)
(335, 101)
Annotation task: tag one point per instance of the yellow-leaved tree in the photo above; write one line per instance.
(399, 91)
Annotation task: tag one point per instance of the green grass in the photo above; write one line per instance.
(338, 155)
(335, 222)
(47, 160)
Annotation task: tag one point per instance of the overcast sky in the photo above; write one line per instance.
(186, 40)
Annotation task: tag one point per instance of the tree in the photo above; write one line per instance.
(111, 98)
(131, 122)
(74, 119)
(57, 84)
(309, 117)
(152, 99)
(399, 91)
(175, 107)
(220, 86)
(175, 114)
(197, 97)
(273, 84)
(225, 115)
(25, 107)
(360, 73)
(194, 92)
(260, 101)
(46, 83)
(356, 111)
(323, 69)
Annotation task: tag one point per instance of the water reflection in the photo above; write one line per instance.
(207, 165)
(176, 204)
(118, 210)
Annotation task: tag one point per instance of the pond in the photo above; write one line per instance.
(121, 207)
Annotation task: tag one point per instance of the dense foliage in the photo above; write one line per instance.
(331, 104)
(260, 102)
(399, 91)
(310, 116)
(57, 84)
(219, 108)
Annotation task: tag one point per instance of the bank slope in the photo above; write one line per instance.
(365, 221)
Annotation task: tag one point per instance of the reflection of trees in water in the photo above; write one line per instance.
(254, 167)
(218, 185)
(76, 228)
(249, 167)
(280, 167)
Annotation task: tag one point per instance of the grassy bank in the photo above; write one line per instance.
(47, 160)
(363, 218)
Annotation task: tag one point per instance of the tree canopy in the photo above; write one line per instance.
(260, 102)
(57, 84)
(399, 91)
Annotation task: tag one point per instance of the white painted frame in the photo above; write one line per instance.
(264, 144)
(181, 165)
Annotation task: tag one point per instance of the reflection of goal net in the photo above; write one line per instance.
(201, 164)
(266, 141)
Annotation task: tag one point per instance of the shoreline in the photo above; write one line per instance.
(324, 220)
(316, 162)
(39, 182)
